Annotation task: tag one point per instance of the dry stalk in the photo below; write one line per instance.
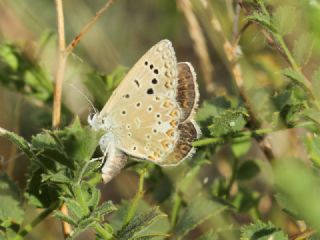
(61, 66)
(199, 44)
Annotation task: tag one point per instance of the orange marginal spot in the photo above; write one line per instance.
(170, 133)
(173, 123)
(167, 104)
(168, 84)
(173, 113)
(165, 144)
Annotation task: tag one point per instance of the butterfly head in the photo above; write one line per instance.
(95, 121)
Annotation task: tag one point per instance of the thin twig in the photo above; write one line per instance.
(56, 117)
(87, 27)
(200, 46)
(62, 59)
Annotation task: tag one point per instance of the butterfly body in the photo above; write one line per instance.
(150, 115)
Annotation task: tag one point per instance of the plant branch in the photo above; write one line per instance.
(56, 117)
(88, 26)
(241, 136)
(134, 204)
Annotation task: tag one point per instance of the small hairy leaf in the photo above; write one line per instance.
(138, 223)
(105, 208)
(229, 122)
(262, 231)
(263, 20)
(65, 218)
(62, 159)
(294, 76)
(19, 141)
(212, 108)
(198, 211)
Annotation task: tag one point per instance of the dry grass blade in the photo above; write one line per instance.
(200, 46)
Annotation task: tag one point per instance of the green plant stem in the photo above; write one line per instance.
(245, 135)
(28, 228)
(134, 204)
(233, 176)
(175, 209)
(105, 234)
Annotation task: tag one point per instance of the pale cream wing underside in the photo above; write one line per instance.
(143, 109)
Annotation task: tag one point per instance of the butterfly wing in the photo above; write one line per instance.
(143, 110)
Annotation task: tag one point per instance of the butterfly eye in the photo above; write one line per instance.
(91, 115)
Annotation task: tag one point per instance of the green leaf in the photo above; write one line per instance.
(313, 145)
(298, 190)
(248, 170)
(263, 20)
(212, 108)
(262, 231)
(65, 218)
(138, 223)
(18, 72)
(106, 207)
(316, 83)
(198, 211)
(241, 148)
(291, 103)
(62, 161)
(284, 19)
(10, 201)
(229, 122)
(294, 76)
(75, 209)
(17, 140)
(302, 49)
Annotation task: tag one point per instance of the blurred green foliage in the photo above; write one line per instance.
(232, 188)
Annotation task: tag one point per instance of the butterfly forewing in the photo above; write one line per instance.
(143, 110)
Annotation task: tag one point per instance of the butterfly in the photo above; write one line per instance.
(149, 116)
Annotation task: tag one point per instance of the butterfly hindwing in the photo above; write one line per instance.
(187, 90)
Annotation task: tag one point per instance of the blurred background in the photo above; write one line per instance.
(199, 31)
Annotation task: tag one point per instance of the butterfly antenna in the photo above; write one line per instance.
(86, 97)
